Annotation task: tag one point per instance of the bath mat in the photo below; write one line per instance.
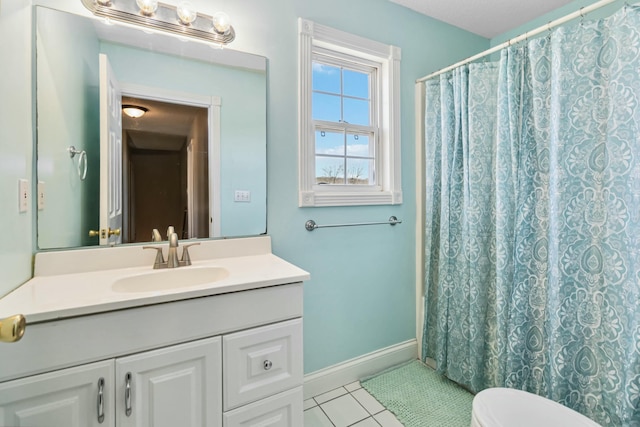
(420, 397)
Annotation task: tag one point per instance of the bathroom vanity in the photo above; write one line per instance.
(112, 342)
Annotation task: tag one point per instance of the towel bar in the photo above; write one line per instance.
(311, 224)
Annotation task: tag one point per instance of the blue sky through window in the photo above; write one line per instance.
(342, 95)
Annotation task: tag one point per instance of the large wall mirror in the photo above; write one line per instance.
(195, 160)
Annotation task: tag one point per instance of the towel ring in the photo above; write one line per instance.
(82, 161)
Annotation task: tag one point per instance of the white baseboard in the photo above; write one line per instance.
(330, 378)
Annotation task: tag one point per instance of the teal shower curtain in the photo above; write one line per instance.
(533, 219)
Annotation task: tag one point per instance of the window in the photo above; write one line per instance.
(349, 100)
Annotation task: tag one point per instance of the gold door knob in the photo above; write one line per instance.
(12, 328)
(103, 233)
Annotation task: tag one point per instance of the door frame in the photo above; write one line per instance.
(213, 105)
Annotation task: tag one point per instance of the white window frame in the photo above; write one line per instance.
(388, 190)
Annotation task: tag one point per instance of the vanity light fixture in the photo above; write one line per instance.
(134, 111)
(182, 20)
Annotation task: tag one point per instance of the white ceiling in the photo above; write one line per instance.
(487, 18)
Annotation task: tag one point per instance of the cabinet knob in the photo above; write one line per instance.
(267, 365)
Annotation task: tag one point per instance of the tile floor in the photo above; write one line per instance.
(348, 406)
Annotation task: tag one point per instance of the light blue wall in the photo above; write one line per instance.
(362, 293)
(68, 101)
(15, 142)
(558, 13)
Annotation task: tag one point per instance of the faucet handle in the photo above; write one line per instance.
(159, 261)
(186, 259)
(170, 231)
(155, 236)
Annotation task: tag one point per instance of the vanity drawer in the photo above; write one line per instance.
(281, 410)
(260, 362)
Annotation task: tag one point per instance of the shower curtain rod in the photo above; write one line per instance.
(579, 13)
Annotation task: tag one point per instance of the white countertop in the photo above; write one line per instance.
(66, 283)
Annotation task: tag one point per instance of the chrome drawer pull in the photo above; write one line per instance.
(127, 394)
(267, 365)
(101, 400)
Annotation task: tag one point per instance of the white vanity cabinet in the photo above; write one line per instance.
(226, 360)
(175, 386)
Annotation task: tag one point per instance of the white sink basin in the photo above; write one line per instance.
(168, 279)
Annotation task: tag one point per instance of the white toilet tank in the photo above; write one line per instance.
(505, 407)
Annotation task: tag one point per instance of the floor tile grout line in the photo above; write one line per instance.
(369, 412)
(338, 397)
(364, 419)
(314, 403)
(327, 415)
(370, 415)
(318, 403)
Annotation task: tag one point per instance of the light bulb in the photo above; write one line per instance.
(147, 7)
(186, 13)
(221, 23)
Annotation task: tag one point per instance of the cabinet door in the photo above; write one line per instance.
(73, 397)
(172, 386)
(261, 362)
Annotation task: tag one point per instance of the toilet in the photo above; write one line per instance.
(506, 407)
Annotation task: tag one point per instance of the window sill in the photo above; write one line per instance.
(329, 198)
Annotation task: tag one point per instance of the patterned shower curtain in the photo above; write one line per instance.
(533, 219)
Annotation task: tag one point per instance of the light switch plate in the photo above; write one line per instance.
(23, 195)
(40, 195)
(242, 196)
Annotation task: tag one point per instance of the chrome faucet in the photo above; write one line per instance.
(172, 256)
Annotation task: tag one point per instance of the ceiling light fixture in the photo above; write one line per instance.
(134, 111)
(182, 20)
